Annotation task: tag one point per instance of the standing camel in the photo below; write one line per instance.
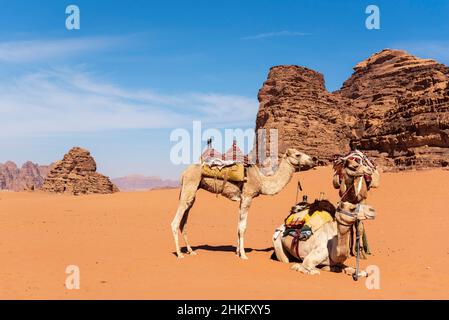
(353, 168)
(254, 185)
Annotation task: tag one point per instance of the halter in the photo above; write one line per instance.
(296, 167)
(347, 213)
(360, 158)
(350, 214)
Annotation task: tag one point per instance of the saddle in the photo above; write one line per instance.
(231, 172)
(227, 167)
(305, 219)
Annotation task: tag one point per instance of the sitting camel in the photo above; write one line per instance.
(328, 247)
(254, 185)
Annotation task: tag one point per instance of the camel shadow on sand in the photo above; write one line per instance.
(224, 248)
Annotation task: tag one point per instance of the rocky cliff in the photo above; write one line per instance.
(76, 174)
(401, 103)
(294, 101)
(395, 106)
(29, 177)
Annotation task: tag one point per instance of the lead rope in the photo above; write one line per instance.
(355, 276)
(298, 187)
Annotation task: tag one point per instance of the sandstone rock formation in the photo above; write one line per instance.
(76, 174)
(295, 102)
(395, 107)
(402, 106)
(29, 177)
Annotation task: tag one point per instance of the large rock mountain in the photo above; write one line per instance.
(29, 177)
(294, 101)
(76, 174)
(395, 107)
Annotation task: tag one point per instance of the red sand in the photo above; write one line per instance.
(124, 248)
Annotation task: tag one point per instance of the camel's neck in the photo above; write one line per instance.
(342, 247)
(271, 185)
(355, 189)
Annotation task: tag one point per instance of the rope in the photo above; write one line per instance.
(298, 187)
(355, 276)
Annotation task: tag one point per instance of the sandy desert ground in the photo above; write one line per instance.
(124, 248)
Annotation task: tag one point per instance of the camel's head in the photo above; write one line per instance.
(354, 167)
(299, 160)
(348, 213)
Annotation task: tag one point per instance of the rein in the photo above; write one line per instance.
(349, 214)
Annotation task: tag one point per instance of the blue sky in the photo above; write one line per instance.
(137, 69)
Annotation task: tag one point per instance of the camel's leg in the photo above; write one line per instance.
(313, 259)
(362, 244)
(351, 242)
(183, 228)
(278, 247)
(185, 203)
(190, 182)
(245, 203)
(365, 241)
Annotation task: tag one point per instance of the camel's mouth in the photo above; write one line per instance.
(305, 168)
(365, 212)
(308, 165)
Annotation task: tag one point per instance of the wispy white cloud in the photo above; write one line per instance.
(284, 33)
(38, 50)
(72, 100)
(438, 50)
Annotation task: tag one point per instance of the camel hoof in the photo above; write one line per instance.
(193, 253)
(299, 267)
(296, 267)
(243, 257)
(180, 256)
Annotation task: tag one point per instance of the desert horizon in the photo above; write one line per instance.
(125, 250)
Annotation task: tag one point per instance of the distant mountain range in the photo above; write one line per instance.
(139, 182)
(31, 177)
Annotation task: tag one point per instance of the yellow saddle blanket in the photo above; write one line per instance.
(235, 172)
(314, 221)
